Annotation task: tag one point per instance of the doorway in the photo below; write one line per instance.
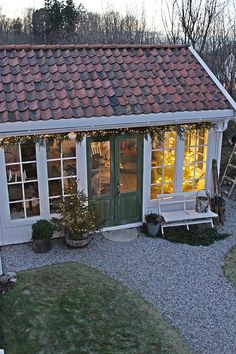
(115, 178)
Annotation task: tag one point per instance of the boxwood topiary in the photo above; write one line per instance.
(42, 229)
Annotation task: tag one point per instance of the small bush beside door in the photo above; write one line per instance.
(42, 232)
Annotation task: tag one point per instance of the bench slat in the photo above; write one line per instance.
(186, 215)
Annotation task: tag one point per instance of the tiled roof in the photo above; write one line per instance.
(39, 82)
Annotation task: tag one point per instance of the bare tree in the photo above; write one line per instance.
(190, 21)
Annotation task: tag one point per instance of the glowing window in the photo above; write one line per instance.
(22, 180)
(195, 156)
(61, 164)
(163, 165)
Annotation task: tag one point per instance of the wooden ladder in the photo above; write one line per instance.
(228, 181)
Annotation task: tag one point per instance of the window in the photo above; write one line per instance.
(61, 165)
(163, 165)
(195, 155)
(22, 180)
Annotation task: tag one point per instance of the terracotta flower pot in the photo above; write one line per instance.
(81, 242)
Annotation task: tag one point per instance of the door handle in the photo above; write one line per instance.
(118, 188)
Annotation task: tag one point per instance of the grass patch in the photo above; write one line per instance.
(71, 308)
(229, 267)
(195, 236)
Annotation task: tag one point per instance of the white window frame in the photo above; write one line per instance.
(62, 177)
(22, 183)
(179, 164)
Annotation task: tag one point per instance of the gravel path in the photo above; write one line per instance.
(185, 283)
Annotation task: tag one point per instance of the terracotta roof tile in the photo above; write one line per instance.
(74, 81)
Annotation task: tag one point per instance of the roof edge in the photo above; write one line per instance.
(111, 122)
(87, 46)
(214, 78)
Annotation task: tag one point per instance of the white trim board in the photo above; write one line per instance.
(214, 78)
(113, 122)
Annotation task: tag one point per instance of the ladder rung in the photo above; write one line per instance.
(231, 165)
(225, 192)
(230, 179)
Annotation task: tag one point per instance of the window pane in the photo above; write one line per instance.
(199, 184)
(53, 151)
(155, 191)
(68, 149)
(55, 188)
(31, 190)
(157, 144)
(189, 154)
(200, 170)
(201, 153)
(190, 139)
(170, 140)
(15, 192)
(69, 167)
(68, 183)
(169, 157)
(28, 152)
(156, 175)
(13, 173)
(12, 154)
(194, 170)
(169, 174)
(157, 158)
(164, 161)
(100, 168)
(188, 171)
(17, 211)
(168, 188)
(32, 208)
(128, 165)
(53, 203)
(187, 186)
(54, 169)
(29, 171)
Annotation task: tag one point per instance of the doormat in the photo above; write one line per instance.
(125, 235)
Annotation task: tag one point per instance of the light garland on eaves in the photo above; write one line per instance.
(155, 132)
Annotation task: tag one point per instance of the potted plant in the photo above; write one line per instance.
(153, 221)
(77, 219)
(42, 232)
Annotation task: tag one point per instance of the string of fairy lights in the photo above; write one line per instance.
(155, 133)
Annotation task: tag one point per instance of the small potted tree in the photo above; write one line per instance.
(153, 221)
(42, 232)
(77, 219)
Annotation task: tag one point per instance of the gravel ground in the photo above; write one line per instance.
(185, 283)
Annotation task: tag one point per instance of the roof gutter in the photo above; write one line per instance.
(113, 122)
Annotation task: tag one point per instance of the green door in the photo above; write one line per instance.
(115, 178)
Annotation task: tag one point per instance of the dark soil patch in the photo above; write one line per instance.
(5, 287)
(195, 236)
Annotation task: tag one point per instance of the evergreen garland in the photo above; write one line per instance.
(155, 132)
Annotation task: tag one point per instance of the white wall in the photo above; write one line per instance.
(18, 231)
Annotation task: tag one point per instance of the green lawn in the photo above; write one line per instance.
(230, 266)
(70, 308)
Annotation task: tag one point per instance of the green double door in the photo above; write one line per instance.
(115, 170)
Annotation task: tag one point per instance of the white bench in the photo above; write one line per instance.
(178, 209)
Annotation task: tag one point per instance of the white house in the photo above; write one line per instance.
(117, 97)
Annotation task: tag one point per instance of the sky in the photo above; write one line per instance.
(14, 8)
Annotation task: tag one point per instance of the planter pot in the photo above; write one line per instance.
(153, 229)
(42, 246)
(82, 242)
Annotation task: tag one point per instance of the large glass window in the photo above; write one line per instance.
(22, 180)
(195, 156)
(61, 165)
(163, 165)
